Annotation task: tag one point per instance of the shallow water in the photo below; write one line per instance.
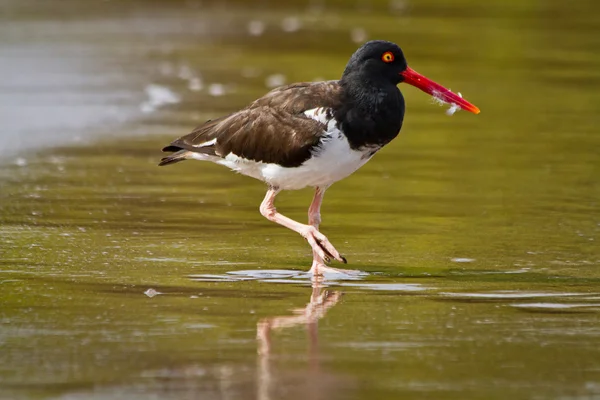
(476, 235)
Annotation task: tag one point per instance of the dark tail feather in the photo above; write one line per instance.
(181, 155)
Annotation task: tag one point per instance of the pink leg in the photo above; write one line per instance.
(319, 243)
(314, 219)
(314, 211)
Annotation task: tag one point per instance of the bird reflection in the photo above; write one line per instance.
(321, 300)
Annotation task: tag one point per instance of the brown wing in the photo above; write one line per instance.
(299, 97)
(273, 129)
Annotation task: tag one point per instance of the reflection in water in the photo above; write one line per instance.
(321, 301)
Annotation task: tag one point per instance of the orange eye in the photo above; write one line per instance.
(387, 57)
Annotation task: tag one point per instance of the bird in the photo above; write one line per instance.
(313, 134)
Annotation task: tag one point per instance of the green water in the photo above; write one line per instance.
(478, 235)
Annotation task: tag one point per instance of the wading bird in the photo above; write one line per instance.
(313, 134)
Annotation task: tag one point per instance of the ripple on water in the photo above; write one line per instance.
(351, 279)
(509, 294)
(276, 276)
(192, 261)
(556, 306)
(397, 287)
(549, 301)
(378, 346)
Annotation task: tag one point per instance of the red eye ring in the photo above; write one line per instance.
(387, 57)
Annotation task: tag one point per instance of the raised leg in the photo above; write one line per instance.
(319, 243)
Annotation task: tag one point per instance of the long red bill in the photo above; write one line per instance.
(436, 90)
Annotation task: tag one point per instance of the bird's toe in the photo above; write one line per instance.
(322, 246)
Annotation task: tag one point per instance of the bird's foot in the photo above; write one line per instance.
(321, 245)
(319, 269)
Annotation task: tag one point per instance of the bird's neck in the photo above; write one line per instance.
(371, 112)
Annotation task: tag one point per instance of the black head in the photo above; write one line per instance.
(377, 61)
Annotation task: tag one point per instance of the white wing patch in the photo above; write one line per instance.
(321, 114)
(206, 144)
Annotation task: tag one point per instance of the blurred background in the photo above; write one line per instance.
(477, 235)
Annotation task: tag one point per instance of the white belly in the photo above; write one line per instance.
(335, 161)
(332, 161)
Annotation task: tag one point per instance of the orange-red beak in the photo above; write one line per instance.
(438, 91)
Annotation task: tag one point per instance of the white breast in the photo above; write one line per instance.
(333, 161)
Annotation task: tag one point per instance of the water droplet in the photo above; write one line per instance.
(291, 24)
(275, 80)
(216, 89)
(195, 84)
(358, 35)
(462, 260)
(185, 72)
(256, 28)
(151, 293)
